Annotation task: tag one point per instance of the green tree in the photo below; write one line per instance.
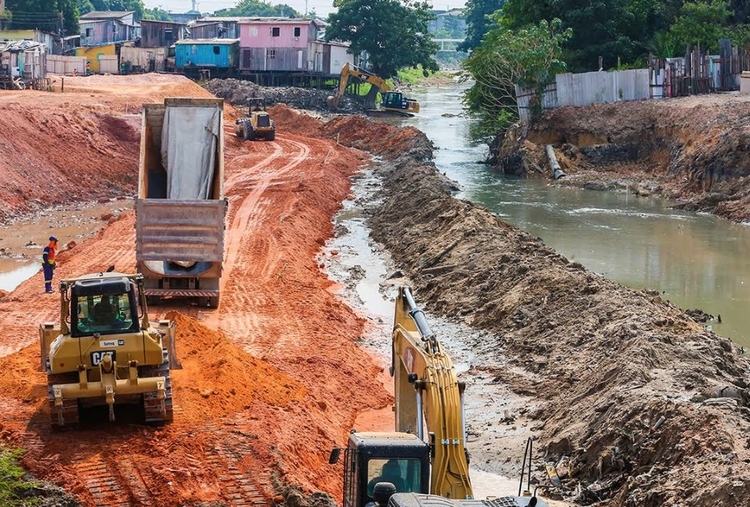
(477, 21)
(701, 23)
(156, 14)
(120, 5)
(529, 57)
(393, 33)
(259, 8)
(44, 15)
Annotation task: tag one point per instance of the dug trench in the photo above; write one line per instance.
(634, 402)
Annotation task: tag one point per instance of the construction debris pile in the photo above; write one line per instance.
(238, 92)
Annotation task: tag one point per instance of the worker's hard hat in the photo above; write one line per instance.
(52, 238)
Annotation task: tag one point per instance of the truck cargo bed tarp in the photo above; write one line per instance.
(188, 150)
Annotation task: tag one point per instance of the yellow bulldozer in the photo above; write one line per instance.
(106, 352)
(257, 124)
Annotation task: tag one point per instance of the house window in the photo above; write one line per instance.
(88, 32)
(275, 31)
(217, 50)
(271, 53)
(168, 34)
(297, 31)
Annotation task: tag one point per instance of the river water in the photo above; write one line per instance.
(694, 260)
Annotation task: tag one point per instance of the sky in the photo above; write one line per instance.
(321, 7)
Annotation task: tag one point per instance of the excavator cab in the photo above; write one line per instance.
(401, 459)
(396, 101)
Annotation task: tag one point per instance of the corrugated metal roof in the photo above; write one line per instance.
(207, 41)
(96, 15)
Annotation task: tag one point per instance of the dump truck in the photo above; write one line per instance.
(106, 352)
(181, 208)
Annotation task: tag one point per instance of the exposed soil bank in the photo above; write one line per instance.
(692, 150)
(637, 403)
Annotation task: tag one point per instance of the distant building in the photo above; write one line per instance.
(276, 44)
(105, 27)
(24, 60)
(452, 21)
(157, 34)
(215, 28)
(216, 55)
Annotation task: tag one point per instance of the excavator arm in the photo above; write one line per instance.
(349, 71)
(428, 394)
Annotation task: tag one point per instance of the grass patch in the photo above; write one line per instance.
(14, 488)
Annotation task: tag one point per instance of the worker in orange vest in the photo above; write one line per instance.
(48, 263)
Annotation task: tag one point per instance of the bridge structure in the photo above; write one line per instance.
(451, 44)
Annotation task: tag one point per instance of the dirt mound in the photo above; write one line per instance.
(693, 150)
(77, 146)
(378, 137)
(237, 381)
(296, 122)
(643, 405)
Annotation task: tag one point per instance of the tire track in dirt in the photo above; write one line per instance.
(237, 317)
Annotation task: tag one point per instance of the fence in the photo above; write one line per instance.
(695, 73)
(66, 65)
(585, 89)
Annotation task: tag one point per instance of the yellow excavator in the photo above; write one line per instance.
(410, 467)
(392, 102)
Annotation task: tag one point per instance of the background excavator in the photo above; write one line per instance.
(392, 102)
(410, 466)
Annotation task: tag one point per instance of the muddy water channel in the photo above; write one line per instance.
(695, 261)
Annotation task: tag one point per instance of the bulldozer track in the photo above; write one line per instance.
(238, 486)
(101, 481)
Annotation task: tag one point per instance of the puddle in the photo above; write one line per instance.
(15, 271)
(22, 240)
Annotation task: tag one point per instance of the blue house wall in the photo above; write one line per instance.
(222, 54)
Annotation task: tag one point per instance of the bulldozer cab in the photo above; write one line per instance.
(255, 104)
(103, 306)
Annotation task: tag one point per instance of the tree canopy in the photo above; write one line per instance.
(392, 33)
(477, 21)
(259, 8)
(42, 15)
(529, 57)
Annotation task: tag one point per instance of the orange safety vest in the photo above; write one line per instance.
(48, 256)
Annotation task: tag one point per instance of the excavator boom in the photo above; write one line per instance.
(427, 389)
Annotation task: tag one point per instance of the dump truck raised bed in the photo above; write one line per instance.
(181, 207)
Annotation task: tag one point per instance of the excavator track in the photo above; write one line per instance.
(156, 412)
(68, 417)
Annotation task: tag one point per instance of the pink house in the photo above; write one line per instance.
(276, 44)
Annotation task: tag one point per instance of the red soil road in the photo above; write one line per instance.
(272, 379)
